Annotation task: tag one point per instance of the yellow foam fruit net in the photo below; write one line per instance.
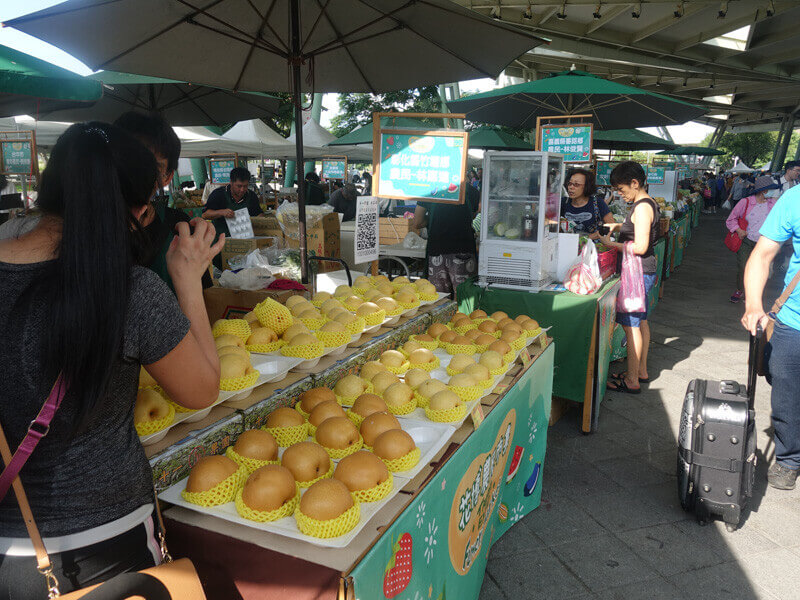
(408, 305)
(486, 383)
(348, 400)
(222, 493)
(428, 297)
(404, 463)
(307, 351)
(360, 291)
(425, 344)
(356, 327)
(178, 408)
(428, 366)
(459, 348)
(356, 418)
(238, 327)
(250, 464)
(422, 401)
(265, 516)
(446, 416)
(299, 409)
(450, 371)
(500, 370)
(534, 333)
(310, 482)
(333, 339)
(467, 393)
(375, 493)
(462, 329)
(286, 436)
(273, 315)
(375, 318)
(265, 348)
(481, 348)
(330, 528)
(405, 408)
(151, 427)
(519, 343)
(509, 357)
(314, 323)
(340, 453)
(234, 384)
(399, 370)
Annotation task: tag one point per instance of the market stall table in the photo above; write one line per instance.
(582, 325)
(444, 520)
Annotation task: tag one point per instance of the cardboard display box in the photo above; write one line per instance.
(266, 226)
(224, 303)
(393, 230)
(324, 239)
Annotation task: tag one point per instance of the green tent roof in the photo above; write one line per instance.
(29, 85)
(363, 134)
(629, 139)
(488, 138)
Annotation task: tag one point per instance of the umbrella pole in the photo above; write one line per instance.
(294, 61)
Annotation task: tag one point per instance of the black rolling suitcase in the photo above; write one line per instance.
(717, 447)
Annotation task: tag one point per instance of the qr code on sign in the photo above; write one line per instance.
(367, 231)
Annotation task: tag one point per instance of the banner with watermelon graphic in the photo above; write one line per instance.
(439, 546)
(574, 142)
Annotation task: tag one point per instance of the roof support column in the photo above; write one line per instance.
(716, 138)
(782, 146)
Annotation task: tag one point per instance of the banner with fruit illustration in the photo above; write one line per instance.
(422, 165)
(438, 547)
(573, 141)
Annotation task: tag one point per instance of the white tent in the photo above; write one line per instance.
(316, 137)
(248, 138)
(740, 167)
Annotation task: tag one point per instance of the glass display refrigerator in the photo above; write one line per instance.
(520, 211)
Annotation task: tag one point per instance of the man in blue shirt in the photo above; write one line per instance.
(782, 224)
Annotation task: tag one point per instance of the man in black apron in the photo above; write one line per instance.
(224, 201)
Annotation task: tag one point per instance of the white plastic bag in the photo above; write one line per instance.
(583, 277)
(413, 242)
(727, 205)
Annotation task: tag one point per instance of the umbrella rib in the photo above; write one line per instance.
(251, 49)
(323, 11)
(384, 16)
(314, 26)
(200, 108)
(274, 32)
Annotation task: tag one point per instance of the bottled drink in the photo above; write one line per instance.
(528, 224)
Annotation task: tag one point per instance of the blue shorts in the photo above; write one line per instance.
(635, 319)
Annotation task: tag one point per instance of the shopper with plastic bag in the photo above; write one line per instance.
(637, 236)
(583, 276)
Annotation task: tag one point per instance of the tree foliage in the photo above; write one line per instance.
(754, 149)
(355, 110)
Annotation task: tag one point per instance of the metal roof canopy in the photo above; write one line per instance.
(669, 54)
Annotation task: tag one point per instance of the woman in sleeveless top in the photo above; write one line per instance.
(641, 228)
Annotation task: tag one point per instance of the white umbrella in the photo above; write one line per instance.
(316, 138)
(740, 167)
(262, 45)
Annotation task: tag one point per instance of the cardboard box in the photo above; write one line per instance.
(324, 239)
(224, 303)
(266, 226)
(235, 247)
(393, 230)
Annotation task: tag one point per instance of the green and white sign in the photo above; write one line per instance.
(438, 547)
(18, 156)
(422, 166)
(573, 141)
(334, 168)
(655, 175)
(603, 175)
(221, 169)
(268, 173)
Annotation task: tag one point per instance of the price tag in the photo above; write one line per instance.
(500, 388)
(525, 356)
(477, 415)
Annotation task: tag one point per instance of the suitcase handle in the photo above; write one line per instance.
(752, 376)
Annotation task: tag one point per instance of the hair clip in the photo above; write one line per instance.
(98, 131)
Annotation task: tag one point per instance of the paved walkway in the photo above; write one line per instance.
(610, 524)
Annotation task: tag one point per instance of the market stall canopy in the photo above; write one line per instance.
(488, 138)
(693, 151)
(611, 104)
(180, 103)
(317, 140)
(32, 86)
(248, 138)
(629, 139)
(363, 135)
(347, 45)
(740, 167)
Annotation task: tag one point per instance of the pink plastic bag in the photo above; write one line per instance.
(631, 296)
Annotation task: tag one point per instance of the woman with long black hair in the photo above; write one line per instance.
(74, 303)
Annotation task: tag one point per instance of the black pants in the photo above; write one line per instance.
(76, 569)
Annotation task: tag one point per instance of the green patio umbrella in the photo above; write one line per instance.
(363, 134)
(611, 105)
(32, 86)
(180, 103)
(693, 151)
(629, 139)
(488, 138)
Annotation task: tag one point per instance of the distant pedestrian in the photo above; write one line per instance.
(754, 210)
(782, 225)
(740, 188)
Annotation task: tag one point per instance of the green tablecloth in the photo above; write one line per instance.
(660, 250)
(682, 227)
(572, 318)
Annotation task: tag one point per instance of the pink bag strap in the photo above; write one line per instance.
(38, 428)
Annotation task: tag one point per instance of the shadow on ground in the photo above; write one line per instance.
(610, 524)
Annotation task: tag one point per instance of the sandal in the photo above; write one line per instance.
(622, 386)
(618, 376)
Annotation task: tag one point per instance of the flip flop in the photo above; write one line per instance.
(622, 387)
(618, 376)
